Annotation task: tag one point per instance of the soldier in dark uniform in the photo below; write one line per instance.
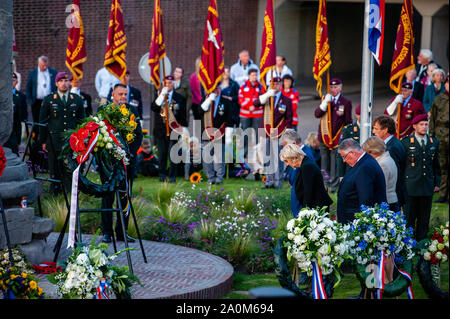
(349, 131)
(119, 97)
(62, 111)
(341, 115)
(20, 114)
(133, 98)
(384, 128)
(422, 174)
(282, 119)
(217, 113)
(439, 128)
(176, 117)
(86, 98)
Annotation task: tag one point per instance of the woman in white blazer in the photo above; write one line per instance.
(377, 148)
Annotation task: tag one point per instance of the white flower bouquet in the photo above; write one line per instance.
(89, 274)
(314, 237)
(377, 228)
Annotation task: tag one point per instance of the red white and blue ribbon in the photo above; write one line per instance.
(74, 196)
(380, 275)
(101, 290)
(317, 284)
(408, 277)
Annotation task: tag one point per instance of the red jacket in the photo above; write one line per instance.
(293, 95)
(408, 112)
(247, 95)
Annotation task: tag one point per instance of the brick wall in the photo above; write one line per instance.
(40, 29)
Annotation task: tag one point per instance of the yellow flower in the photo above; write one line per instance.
(13, 276)
(40, 291)
(129, 137)
(24, 275)
(33, 284)
(133, 124)
(131, 117)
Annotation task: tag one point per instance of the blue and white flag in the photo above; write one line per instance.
(376, 29)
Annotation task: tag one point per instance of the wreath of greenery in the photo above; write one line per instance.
(284, 274)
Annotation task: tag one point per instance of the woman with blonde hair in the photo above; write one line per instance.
(309, 185)
(377, 149)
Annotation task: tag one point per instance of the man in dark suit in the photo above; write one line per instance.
(384, 128)
(40, 83)
(175, 120)
(309, 187)
(133, 95)
(363, 184)
(282, 120)
(341, 115)
(20, 113)
(423, 175)
(119, 97)
(86, 98)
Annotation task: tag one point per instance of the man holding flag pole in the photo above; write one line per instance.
(169, 107)
(277, 116)
(335, 111)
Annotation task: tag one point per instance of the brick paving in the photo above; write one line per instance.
(170, 272)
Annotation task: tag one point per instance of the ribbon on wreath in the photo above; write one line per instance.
(74, 195)
(380, 275)
(101, 290)
(318, 288)
(408, 278)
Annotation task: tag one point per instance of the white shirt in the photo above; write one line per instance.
(285, 70)
(43, 84)
(419, 139)
(239, 73)
(104, 81)
(388, 139)
(63, 94)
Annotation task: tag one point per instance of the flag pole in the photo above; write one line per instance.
(329, 107)
(366, 80)
(271, 99)
(165, 98)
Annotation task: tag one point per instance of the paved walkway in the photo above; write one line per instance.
(170, 272)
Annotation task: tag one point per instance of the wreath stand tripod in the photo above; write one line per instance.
(119, 210)
(59, 170)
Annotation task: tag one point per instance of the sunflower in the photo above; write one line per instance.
(129, 137)
(264, 178)
(195, 178)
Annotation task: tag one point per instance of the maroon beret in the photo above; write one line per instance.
(277, 79)
(407, 85)
(418, 118)
(358, 110)
(60, 76)
(169, 77)
(335, 81)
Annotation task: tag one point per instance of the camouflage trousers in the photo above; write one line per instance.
(443, 159)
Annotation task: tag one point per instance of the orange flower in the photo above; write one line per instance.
(195, 178)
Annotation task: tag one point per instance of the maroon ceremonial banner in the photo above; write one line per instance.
(212, 64)
(268, 45)
(116, 42)
(403, 58)
(76, 44)
(157, 45)
(322, 58)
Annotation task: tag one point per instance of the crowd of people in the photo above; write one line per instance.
(403, 164)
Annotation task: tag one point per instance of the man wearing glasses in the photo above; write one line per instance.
(363, 183)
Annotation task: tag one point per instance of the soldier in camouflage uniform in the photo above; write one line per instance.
(439, 128)
(62, 111)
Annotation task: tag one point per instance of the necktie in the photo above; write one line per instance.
(64, 99)
(422, 143)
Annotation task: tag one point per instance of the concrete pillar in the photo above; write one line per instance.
(427, 9)
(6, 35)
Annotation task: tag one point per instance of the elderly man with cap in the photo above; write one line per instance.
(280, 120)
(349, 131)
(404, 108)
(61, 111)
(422, 175)
(332, 121)
(165, 123)
(439, 128)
